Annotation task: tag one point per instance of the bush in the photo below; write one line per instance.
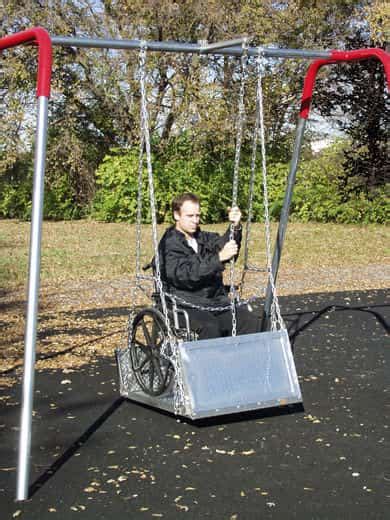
(117, 183)
(16, 186)
(318, 196)
(16, 189)
(317, 193)
(60, 203)
(116, 194)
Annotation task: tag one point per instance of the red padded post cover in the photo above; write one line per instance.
(336, 57)
(40, 37)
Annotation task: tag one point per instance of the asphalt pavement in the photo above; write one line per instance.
(98, 456)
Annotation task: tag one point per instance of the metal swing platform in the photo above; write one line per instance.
(224, 376)
(210, 377)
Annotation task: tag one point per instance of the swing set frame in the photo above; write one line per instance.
(44, 41)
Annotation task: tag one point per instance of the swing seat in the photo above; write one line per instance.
(228, 375)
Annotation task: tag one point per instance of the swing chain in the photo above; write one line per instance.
(276, 317)
(259, 63)
(240, 121)
(236, 172)
(139, 206)
(146, 139)
(169, 348)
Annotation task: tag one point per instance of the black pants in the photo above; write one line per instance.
(219, 324)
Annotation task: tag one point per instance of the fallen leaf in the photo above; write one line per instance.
(183, 508)
(249, 452)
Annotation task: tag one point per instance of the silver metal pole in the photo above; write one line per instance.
(101, 43)
(284, 217)
(32, 307)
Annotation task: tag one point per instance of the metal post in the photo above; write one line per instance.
(32, 307)
(284, 218)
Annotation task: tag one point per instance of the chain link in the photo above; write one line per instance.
(252, 179)
(213, 308)
(139, 205)
(236, 176)
(276, 317)
(169, 348)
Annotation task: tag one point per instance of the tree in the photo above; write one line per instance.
(95, 101)
(356, 98)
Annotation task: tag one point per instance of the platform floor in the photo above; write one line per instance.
(97, 456)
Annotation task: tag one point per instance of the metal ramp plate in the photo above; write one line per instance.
(227, 375)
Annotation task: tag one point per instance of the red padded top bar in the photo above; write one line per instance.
(336, 57)
(42, 39)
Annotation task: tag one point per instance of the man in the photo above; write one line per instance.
(192, 262)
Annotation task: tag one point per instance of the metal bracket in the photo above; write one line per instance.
(209, 47)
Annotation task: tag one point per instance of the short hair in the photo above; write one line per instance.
(179, 200)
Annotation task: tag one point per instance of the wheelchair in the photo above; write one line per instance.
(148, 335)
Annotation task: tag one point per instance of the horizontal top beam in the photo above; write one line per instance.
(172, 46)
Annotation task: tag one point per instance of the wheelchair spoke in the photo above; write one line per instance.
(157, 368)
(147, 359)
(145, 348)
(151, 374)
(158, 341)
(146, 333)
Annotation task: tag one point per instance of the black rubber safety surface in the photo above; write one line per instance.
(97, 456)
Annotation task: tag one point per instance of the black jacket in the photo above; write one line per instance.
(195, 277)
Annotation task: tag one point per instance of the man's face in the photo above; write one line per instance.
(187, 219)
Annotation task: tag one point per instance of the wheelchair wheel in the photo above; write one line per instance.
(153, 372)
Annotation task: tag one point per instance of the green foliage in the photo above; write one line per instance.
(95, 97)
(16, 189)
(15, 201)
(60, 203)
(116, 195)
(318, 194)
(117, 181)
(16, 194)
(94, 108)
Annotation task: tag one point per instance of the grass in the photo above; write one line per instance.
(86, 250)
(86, 290)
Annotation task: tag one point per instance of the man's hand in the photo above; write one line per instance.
(229, 250)
(234, 215)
